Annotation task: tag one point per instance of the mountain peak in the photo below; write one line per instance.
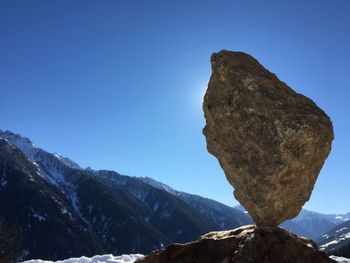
(68, 162)
(26, 146)
(158, 185)
(15, 136)
(22, 143)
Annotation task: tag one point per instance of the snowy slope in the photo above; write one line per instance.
(340, 259)
(96, 259)
(51, 167)
(335, 238)
(312, 217)
(36, 217)
(30, 150)
(318, 224)
(68, 162)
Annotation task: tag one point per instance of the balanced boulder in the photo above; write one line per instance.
(270, 141)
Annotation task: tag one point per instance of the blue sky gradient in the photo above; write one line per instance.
(118, 84)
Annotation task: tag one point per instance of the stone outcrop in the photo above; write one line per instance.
(270, 141)
(247, 244)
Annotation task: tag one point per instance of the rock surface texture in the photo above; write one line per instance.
(270, 141)
(247, 244)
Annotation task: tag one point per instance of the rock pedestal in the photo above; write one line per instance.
(270, 141)
(248, 244)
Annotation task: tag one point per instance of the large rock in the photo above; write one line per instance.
(243, 245)
(270, 141)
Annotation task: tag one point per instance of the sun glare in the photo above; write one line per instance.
(200, 92)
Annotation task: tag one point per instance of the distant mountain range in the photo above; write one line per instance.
(311, 224)
(51, 208)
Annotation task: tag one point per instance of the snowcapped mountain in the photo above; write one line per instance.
(51, 167)
(337, 219)
(51, 208)
(66, 161)
(311, 224)
(315, 224)
(337, 240)
(31, 209)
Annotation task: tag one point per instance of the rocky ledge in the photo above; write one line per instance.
(248, 244)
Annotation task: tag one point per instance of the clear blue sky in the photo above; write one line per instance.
(118, 84)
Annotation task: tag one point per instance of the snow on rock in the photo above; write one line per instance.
(339, 239)
(342, 229)
(68, 162)
(30, 150)
(96, 259)
(340, 259)
(22, 143)
(51, 167)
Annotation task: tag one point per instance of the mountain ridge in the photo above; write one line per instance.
(117, 213)
(311, 224)
(120, 214)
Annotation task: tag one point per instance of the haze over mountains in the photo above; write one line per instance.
(311, 224)
(51, 208)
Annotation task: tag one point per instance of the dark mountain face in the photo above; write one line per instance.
(118, 218)
(180, 216)
(342, 251)
(222, 215)
(45, 223)
(53, 209)
(337, 240)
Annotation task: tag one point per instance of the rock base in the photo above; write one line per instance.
(248, 244)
